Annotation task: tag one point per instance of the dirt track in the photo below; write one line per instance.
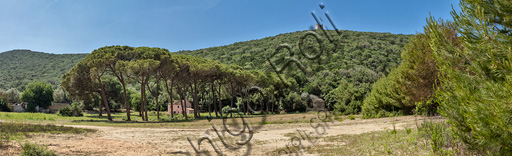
(156, 141)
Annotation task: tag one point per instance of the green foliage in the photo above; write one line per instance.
(77, 109)
(360, 60)
(31, 149)
(227, 109)
(411, 84)
(20, 67)
(65, 111)
(4, 106)
(443, 139)
(427, 108)
(351, 117)
(385, 97)
(13, 95)
(37, 94)
(59, 96)
(476, 79)
(293, 102)
(347, 98)
(376, 51)
(135, 101)
(113, 91)
(74, 110)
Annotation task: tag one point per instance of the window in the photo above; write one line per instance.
(178, 106)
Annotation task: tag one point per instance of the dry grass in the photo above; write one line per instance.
(375, 143)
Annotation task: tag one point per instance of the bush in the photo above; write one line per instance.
(351, 117)
(293, 103)
(385, 99)
(4, 106)
(30, 149)
(227, 109)
(76, 109)
(66, 111)
(427, 108)
(443, 139)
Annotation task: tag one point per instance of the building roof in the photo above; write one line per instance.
(186, 102)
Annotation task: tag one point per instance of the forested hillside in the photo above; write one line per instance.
(348, 68)
(376, 51)
(359, 60)
(20, 67)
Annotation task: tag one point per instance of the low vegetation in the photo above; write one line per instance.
(30, 149)
(18, 131)
(401, 142)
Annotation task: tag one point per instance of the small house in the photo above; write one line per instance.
(318, 104)
(19, 107)
(177, 107)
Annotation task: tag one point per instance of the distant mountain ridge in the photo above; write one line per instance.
(20, 67)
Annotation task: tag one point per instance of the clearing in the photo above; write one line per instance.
(346, 137)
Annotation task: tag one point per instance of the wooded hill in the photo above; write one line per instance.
(377, 51)
(20, 67)
(354, 59)
(342, 76)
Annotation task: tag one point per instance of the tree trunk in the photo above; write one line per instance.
(157, 108)
(183, 105)
(155, 94)
(232, 98)
(220, 102)
(273, 103)
(242, 102)
(126, 105)
(142, 92)
(146, 101)
(212, 100)
(101, 107)
(170, 97)
(203, 95)
(196, 101)
(248, 102)
(104, 99)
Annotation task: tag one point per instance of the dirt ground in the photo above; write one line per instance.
(166, 141)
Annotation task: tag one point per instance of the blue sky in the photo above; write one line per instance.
(80, 26)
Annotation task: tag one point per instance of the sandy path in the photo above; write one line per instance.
(156, 141)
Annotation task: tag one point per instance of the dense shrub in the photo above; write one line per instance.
(228, 109)
(76, 108)
(385, 99)
(66, 111)
(293, 102)
(346, 98)
(4, 106)
(31, 149)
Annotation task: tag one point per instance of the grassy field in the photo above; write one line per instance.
(165, 120)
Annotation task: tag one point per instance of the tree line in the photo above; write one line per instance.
(156, 71)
